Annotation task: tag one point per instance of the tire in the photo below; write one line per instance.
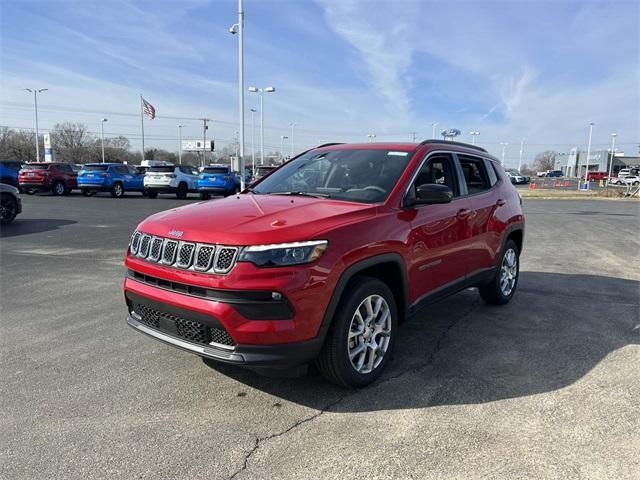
(58, 188)
(30, 191)
(500, 290)
(87, 193)
(334, 362)
(152, 194)
(205, 196)
(117, 190)
(182, 192)
(8, 208)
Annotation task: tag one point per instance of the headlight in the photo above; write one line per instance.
(283, 253)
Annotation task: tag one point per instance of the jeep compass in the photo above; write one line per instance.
(320, 260)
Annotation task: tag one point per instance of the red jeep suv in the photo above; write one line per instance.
(321, 259)
(57, 178)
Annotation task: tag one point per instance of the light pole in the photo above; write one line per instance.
(613, 154)
(180, 144)
(473, 136)
(261, 91)
(35, 92)
(433, 129)
(371, 136)
(504, 148)
(292, 125)
(520, 159)
(253, 140)
(102, 136)
(586, 162)
(239, 29)
(282, 139)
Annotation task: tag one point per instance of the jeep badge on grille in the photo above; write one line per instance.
(176, 233)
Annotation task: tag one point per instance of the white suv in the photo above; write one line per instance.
(178, 179)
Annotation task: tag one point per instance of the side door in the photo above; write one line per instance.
(483, 194)
(439, 236)
(68, 175)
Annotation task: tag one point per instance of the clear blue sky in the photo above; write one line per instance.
(342, 69)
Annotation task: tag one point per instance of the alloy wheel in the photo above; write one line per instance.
(369, 334)
(508, 272)
(7, 208)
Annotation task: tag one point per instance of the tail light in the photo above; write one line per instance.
(172, 175)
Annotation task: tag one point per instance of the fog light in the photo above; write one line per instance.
(276, 296)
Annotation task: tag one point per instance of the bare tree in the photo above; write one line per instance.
(72, 142)
(17, 145)
(544, 161)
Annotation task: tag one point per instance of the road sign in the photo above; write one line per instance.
(48, 151)
(197, 145)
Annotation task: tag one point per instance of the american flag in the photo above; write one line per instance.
(148, 109)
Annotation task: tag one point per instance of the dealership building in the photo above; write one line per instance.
(572, 163)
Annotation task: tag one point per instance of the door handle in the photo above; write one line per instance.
(501, 202)
(463, 213)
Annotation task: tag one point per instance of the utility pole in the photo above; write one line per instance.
(474, 134)
(102, 136)
(414, 136)
(35, 92)
(204, 145)
(504, 148)
(282, 139)
(586, 162)
(520, 159)
(433, 129)
(253, 141)
(613, 154)
(180, 144)
(292, 125)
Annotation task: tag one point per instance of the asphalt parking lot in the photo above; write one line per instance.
(545, 387)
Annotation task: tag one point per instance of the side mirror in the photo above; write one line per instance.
(432, 193)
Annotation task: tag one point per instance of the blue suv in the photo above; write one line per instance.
(115, 178)
(218, 180)
(9, 172)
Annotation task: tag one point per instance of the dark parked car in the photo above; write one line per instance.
(10, 204)
(322, 259)
(57, 178)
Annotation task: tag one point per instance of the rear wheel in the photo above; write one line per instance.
(87, 193)
(117, 190)
(205, 196)
(152, 194)
(182, 192)
(361, 337)
(58, 188)
(8, 208)
(502, 287)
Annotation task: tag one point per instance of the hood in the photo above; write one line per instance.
(255, 219)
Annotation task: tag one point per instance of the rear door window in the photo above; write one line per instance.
(475, 174)
(491, 172)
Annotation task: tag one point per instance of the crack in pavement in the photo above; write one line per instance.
(428, 361)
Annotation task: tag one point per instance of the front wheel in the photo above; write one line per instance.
(58, 189)
(362, 334)
(117, 190)
(502, 287)
(182, 191)
(8, 208)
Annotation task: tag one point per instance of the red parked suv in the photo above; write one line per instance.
(57, 178)
(322, 258)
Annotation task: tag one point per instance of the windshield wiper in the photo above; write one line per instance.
(302, 194)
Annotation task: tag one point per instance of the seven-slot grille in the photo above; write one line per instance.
(189, 330)
(187, 255)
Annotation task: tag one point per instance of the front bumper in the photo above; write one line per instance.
(284, 355)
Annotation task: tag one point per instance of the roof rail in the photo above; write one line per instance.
(330, 144)
(459, 144)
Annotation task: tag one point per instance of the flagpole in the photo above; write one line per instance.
(142, 124)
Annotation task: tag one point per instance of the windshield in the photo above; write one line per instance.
(168, 169)
(95, 168)
(215, 170)
(364, 175)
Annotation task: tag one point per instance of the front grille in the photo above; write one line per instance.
(224, 260)
(185, 255)
(202, 257)
(135, 242)
(177, 326)
(156, 249)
